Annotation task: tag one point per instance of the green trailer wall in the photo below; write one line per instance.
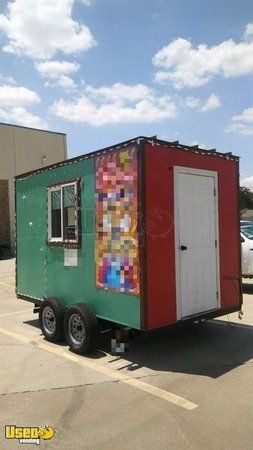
(40, 268)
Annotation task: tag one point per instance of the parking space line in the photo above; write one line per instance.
(15, 312)
(123, 378)
(20, 337)
(165, 395)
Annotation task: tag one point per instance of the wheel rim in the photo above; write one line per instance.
(76, 329)
(48, 320)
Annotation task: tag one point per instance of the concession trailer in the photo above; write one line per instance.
(144, 234)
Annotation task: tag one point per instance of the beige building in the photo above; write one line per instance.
(248, 215)
(21, 150)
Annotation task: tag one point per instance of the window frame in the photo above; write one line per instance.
(60, 241)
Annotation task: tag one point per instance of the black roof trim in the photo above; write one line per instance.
(196, 149)
(31, 128)
(138, 139)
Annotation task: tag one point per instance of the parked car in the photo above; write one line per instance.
(246, 222)
(247, 249)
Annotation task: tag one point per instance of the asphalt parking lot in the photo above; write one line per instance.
(190, 388)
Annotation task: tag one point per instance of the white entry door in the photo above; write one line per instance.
(196, 242)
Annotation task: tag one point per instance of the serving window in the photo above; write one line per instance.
(63, 213)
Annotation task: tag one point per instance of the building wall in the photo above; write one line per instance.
(24, 149)
(247, 215)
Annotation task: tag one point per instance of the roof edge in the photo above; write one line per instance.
(31, 128)
(153, 140)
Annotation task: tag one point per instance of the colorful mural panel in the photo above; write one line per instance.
(117, 265)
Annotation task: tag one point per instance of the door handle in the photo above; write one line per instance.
(183, 247)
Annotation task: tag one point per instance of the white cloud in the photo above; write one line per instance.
(55, 69)
(192, 102)
(248, 31)
(85, 2)
(14, 102)
(7, 79)
(116, 104)
(119, 91)
(212, 102)
(246, 116)
(247, 182)
(240, 128)
(20, 116)
(186, 66)
(197, 143)
(58, 71)
(66, 82)
(243, 123)
(41, 28)
(17, 96)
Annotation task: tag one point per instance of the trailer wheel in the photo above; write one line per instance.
(80, 325)
(51, 315)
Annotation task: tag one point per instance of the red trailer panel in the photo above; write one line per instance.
(162, 279)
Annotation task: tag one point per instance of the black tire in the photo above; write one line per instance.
(51, 316)
(80, 326)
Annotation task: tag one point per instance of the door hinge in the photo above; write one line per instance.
(215, 243)
(214, 191)
(217, 295)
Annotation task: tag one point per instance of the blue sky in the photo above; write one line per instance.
(104, 71)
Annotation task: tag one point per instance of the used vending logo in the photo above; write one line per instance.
(29, 435)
